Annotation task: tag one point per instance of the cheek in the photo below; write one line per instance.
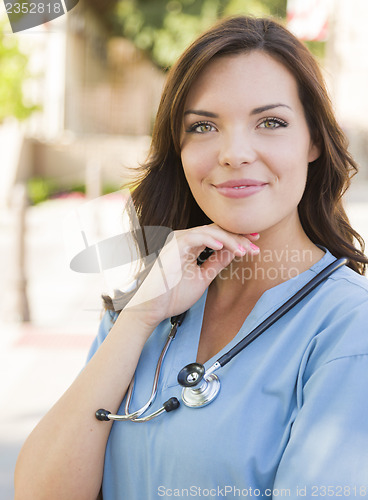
(196, 164)
(290, 164)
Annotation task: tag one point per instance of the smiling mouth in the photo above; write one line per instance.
(240, 183)
(240, 191)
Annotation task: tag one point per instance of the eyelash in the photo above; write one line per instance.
(274, 119)
(192, 128)
(278, 121)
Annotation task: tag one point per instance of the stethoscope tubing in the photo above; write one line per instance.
(176, 321)
(134, 416)
(283, 309)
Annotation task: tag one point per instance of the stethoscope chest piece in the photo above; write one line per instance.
(199, 388)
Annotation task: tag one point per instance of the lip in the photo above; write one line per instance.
(240, 182)
(234, 188)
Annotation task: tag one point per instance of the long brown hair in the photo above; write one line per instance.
(160, 194)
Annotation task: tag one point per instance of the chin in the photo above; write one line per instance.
(238, 228)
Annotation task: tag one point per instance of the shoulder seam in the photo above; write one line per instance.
(338, 358)
(336, 278)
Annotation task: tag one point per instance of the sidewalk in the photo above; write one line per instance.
(36, 368)
(39, 361)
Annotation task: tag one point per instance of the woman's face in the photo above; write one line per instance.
(244, 126)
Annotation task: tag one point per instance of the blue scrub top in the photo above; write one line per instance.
(291, 418)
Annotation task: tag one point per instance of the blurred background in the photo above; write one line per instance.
(78, 97)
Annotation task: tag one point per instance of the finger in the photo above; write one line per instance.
(183, 250)
(252, 236)
(215, 264)
(234, 242)
(193, 243)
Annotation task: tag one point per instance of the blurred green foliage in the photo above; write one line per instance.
(164, 28)
(13, 72)
(40, 189)
(317, 48)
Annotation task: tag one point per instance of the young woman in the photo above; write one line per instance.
(247, 160)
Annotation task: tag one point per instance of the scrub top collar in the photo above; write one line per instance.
(185, 347)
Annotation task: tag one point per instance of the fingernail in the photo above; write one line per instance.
(241, 248)
(254, 234)
(219, 243)
(254, 247)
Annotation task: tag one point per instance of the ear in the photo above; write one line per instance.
(314, 152)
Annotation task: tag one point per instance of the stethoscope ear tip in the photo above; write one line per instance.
(102, 415)
(171, 404)
(201, 386)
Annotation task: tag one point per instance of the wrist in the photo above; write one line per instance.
(138, 322)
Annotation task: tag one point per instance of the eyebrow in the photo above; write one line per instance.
(261, 109)
(254, 111)
(200, 112)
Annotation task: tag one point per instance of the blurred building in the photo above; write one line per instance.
(347, 72)
(341, 25)
(99, 96)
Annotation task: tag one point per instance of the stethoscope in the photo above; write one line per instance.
(200, 387)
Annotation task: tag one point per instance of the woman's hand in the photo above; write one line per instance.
(176, 281)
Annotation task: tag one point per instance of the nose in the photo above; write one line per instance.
(236, 149)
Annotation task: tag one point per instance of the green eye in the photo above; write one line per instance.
(201, 128)
(270, 123)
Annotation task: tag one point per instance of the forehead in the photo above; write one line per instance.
(255, 77)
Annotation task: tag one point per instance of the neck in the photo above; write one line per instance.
(280, 259)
